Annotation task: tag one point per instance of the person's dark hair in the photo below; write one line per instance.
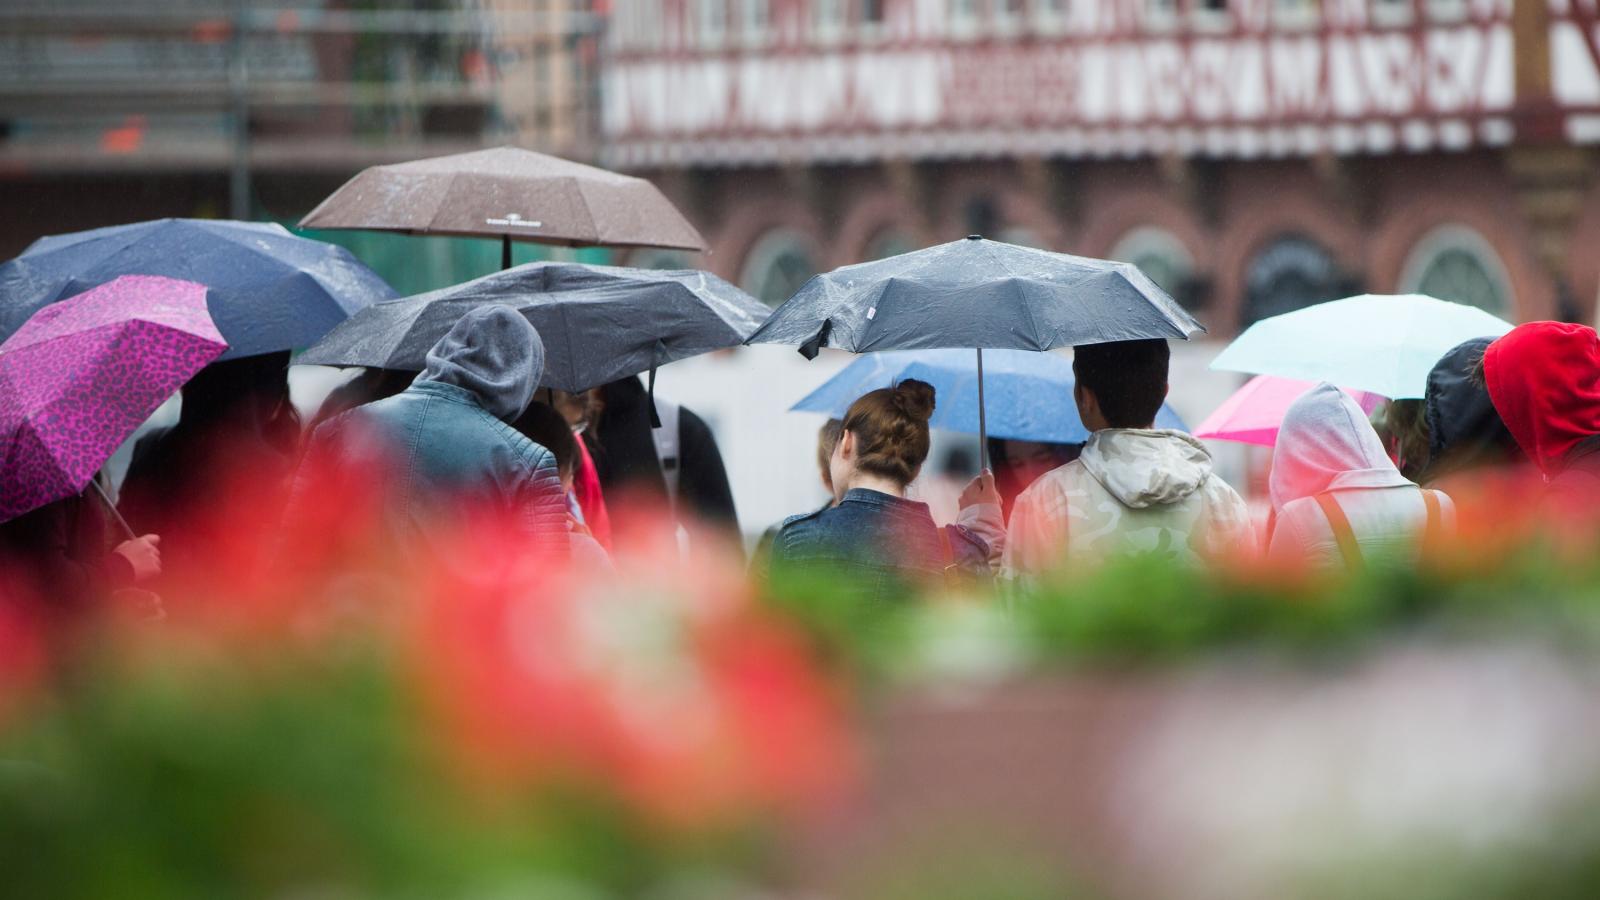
(827, 440)
(1476, 374)
(544, 426)
(1128, 378)
(252, 392)
(1404, 430)
(221, 387)
(891, 429)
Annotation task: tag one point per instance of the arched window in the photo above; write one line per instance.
(713, 22)
(887, 243)
(1290, 273)
(777, 265)
(1161, 256)
(1453, 262)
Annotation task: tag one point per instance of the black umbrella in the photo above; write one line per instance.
(599, 323)
(978, 294)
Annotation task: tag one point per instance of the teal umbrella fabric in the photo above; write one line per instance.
(1384, 344)
(1029, 395)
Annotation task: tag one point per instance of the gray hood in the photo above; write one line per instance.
(494, 353)
(1143, 468)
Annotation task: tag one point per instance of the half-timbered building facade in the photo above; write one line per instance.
(1253, 155)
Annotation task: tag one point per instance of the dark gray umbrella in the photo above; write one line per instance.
(599, 323)
(978, 294)
(512, 194)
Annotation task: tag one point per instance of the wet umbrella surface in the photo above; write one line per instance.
(268, 290)
(510, 193)
(80, 377)
(599, 323)
(976, 294)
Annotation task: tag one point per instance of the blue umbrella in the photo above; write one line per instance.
(268, 290)
(1028, 395)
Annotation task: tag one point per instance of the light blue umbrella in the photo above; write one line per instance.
(1029, 395)
(1385, 344)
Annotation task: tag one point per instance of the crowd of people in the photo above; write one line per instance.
(1342, 495)
(475, 431)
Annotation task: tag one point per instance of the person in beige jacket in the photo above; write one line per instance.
(1135, 489)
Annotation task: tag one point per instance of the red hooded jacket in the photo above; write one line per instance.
(1544, 379)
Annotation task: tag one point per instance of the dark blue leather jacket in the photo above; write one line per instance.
(879, 545)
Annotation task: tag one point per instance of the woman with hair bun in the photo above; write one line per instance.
(873, 536)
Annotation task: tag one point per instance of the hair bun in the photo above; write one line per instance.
(915, 399)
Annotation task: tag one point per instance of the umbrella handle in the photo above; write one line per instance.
(983, 422)
(126, 528)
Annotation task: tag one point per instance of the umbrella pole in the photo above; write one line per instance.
(126, 528)
(983, 421)
(505, 251)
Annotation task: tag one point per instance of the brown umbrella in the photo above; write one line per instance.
(512, 194)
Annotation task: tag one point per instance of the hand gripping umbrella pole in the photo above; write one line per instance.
(106, 498)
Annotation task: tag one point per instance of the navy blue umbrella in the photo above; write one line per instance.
(976, 294)
(1029, 395)
(267, 289)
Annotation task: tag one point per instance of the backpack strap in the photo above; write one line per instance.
(1433, 531)
(1342, 532)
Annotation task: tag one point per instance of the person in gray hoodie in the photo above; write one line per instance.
(445, 443)
(1134, 489)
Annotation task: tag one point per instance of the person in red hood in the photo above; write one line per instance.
(1544, 379)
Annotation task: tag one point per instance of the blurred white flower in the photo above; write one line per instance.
(1253, 776)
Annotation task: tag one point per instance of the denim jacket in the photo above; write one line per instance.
(881, 543)
(442, 450)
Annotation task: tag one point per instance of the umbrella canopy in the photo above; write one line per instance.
(81, 375)
(599, 323)
(512, 193)
(1378, 343)
(975, 293)
(1029, 395)
(1253, 414)
(268, 290)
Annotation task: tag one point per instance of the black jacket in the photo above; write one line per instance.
(625, 457)
(62, 553)
(1464, 430)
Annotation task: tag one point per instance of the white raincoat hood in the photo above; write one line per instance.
(1145, 468)
(1326, 443)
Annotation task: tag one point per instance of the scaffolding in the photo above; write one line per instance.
(245, 86)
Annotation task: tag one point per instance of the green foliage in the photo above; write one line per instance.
(310, 775)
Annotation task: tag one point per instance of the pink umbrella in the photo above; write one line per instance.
(1254, 412)
(81, 375)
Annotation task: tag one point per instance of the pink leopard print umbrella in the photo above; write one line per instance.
(78, 378)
